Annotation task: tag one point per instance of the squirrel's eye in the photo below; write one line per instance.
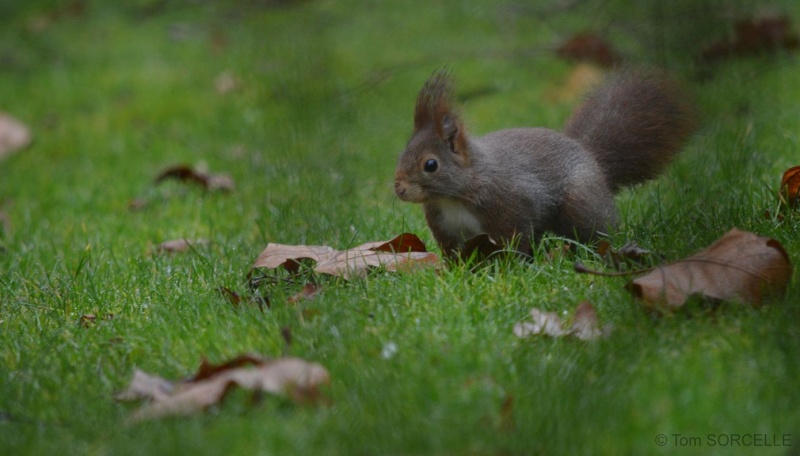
(430, 166)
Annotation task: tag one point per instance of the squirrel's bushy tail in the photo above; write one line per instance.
(634, 125)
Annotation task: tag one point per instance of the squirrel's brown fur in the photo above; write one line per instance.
(515, 184)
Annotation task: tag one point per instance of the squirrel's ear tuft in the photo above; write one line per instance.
(435, 109)
(434, 101)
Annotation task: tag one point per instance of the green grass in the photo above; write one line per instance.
(321, 109)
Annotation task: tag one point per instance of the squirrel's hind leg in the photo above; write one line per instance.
(585, 211)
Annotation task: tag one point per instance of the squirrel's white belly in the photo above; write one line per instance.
(458, 220)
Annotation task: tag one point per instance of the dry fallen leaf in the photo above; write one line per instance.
(790, 187)
(308, 293)
(5, 223)
(68, 9)
(754, 36)
(181, 245)
(232, 296)
(585, 325)
(14, 135)
(403, 252)
(739, 266)
(589, 47)
(297, 378)
(545, 323)
(208, 370)
(88, 320)
(208, 181)
(146, 386)
(507, 413)
(236, 299)
(628, 253)
(225, 82)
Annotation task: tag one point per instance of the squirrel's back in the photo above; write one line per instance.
(634, 125)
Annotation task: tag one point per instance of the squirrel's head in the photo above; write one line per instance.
(436, 157)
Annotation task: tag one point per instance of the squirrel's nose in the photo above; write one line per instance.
(399, 188)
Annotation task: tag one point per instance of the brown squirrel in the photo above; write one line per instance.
(515, 184)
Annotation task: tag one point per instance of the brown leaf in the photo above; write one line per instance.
(232, 296)
(286, 333)
(137, 204)
(87, 320)
(739, 266)
(208, 181)
(41, 22)
(294, 377)
(754, 36)
(5, 223)
(308, 293)
(589, 47)
(207, 369)
(236, 299)
(630, 252)
(585, 326)
(507, 413)
(310, 314)
(181, 245)
(146, 386)
(225, 82)
(403, 252)
(544, 323)
(14, 135)
(790, 187)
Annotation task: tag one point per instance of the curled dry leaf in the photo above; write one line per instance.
(146, 386)
(754, 36)
(589, 47)
(308, 293)
(14, 135)
(739, 266)
(585, 325)
(233, 297)
(544, 323)
(297, 378)
(225, 82)
(88, 320)
(790, 187)
(628, 253)
(403, 252)
(236, 299)
(181, 245)
(208, 181)
(208, 370)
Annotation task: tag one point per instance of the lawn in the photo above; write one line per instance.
(306, 105)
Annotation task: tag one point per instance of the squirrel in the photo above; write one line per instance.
(517, 183)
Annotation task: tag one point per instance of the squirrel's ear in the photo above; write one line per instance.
(447, 128)
(450, 128)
